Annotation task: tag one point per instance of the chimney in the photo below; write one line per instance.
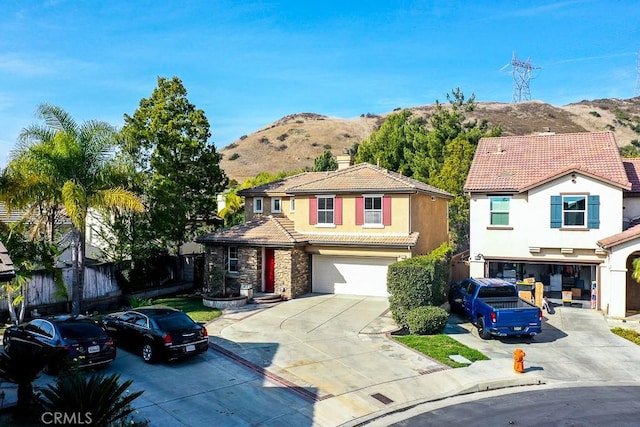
(343, 162)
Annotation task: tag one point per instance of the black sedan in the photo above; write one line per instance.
(64, 341)
(157, 332)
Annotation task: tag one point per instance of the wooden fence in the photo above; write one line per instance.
(99, 282)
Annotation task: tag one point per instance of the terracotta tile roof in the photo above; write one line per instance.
(281, 232)
(361, 240)
(632, 167)
(617, 239)
(365, 177)
(280, 187)
(267, 230)
(517, 163)
(7, 271)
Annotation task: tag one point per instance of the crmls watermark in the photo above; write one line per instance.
(66, 418)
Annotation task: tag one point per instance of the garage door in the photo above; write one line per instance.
(350, 275)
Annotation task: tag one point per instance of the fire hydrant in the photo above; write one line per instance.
(518, 360)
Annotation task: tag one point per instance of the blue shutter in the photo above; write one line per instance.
(593, 212)
(556, 211)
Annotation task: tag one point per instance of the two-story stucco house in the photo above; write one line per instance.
(329, 232)
(556, 207)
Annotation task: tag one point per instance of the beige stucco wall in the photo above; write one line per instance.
(429, 217)
(266, 208)
(399, 217)
(360, 251)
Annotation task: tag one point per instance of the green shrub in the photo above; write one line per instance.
(628, 334)
(234, 156)
(136, 302)
(418, 281)
(427, 320)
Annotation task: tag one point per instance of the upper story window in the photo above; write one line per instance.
(232, 260)
(574, 209)
(257, 205)
(373, 210)
(292, 205)
(276, 204)
(577, 211)
(499, 207)
(325, 210)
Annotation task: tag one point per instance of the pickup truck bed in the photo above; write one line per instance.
(506, 303)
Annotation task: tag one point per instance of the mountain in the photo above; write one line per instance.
(294, 141)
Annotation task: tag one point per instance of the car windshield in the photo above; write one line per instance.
(174, 322)
(80, 330)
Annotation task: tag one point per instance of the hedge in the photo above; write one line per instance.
(427, 320)
(418, 281)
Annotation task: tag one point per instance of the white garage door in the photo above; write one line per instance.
(350, 275)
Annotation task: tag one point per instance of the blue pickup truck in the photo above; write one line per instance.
(494, 307)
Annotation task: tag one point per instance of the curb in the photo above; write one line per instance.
(477, 388)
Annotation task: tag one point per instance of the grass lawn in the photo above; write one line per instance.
(192, 306)
(440, 347)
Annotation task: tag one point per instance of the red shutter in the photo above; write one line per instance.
(313, 210)
(359, 210)
(386, 210)
(337, 207)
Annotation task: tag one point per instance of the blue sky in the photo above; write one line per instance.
(249, 63)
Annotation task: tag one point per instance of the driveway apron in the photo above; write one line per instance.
(320, 342)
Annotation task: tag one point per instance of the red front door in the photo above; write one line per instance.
(269, 267)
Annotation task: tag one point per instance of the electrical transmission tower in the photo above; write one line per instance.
(522, 72)
(638, 75)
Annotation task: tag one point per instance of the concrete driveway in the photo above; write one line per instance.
(331, 344)
(575, 345)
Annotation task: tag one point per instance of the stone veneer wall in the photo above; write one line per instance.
(291, 272)
(300, 282)
(248, 267)
(213, 258)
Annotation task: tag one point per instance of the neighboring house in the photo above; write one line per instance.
(7, 271)
(328, 232)
(559, 208)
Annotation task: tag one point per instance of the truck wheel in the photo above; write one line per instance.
(453, 307)
(482, 331)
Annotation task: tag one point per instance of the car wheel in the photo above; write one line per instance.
(482, 330)
(148, 352)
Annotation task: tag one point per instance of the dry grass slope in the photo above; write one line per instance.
(294, 141)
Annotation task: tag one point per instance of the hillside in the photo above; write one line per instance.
(294, 141)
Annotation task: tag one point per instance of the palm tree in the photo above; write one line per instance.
(102, 397)
(68, 166)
